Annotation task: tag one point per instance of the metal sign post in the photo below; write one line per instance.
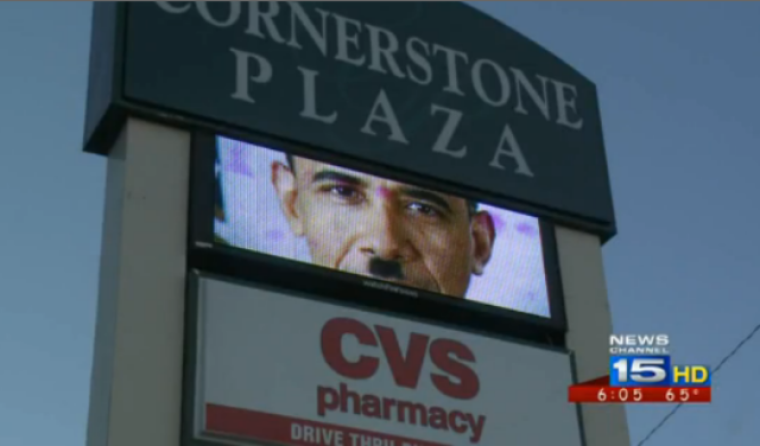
(136, 384)
(589, 326)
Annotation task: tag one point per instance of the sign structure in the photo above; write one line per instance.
(355, 169)
(387, 84)
(275, 368)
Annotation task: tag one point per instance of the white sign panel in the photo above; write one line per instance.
(281, 369)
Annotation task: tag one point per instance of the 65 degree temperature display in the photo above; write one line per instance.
(599, 391)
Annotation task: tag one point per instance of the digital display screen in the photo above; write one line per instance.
(309, 211)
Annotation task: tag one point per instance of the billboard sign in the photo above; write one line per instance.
(387, 84)
(272, 367)
(397, 234)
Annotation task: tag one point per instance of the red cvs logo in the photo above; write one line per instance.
(448, 355)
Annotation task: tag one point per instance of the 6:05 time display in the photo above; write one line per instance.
(615, 394)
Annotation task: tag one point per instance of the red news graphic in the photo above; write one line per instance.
(599, 390)
(641, 372)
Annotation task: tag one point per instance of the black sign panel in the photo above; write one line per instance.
(434, 89)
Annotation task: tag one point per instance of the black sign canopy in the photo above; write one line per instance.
(436, 90)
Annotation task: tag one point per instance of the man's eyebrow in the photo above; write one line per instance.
(332, 175)
(428, 196)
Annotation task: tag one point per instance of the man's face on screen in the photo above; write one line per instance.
(366, 225)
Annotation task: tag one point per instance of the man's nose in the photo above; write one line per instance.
(385, 236)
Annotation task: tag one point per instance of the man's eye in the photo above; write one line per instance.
(346, 194)
(342, 191)
(424, 209)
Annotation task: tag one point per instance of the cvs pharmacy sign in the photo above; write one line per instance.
(275, 368)
(457, 380)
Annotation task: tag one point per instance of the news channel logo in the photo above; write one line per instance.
(644, 361)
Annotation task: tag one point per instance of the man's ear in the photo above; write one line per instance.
(483, 236)
(284, 183)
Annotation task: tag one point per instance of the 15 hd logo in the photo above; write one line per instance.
(641, 372)
(647, 363)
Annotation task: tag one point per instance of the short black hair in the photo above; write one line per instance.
(472, 205)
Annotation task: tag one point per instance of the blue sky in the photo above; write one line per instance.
(679, 92)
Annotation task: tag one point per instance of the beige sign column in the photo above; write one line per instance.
(590, 325)
(135, 396)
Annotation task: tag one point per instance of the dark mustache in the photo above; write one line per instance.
(386, 269)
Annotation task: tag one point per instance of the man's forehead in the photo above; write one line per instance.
(309, 169)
